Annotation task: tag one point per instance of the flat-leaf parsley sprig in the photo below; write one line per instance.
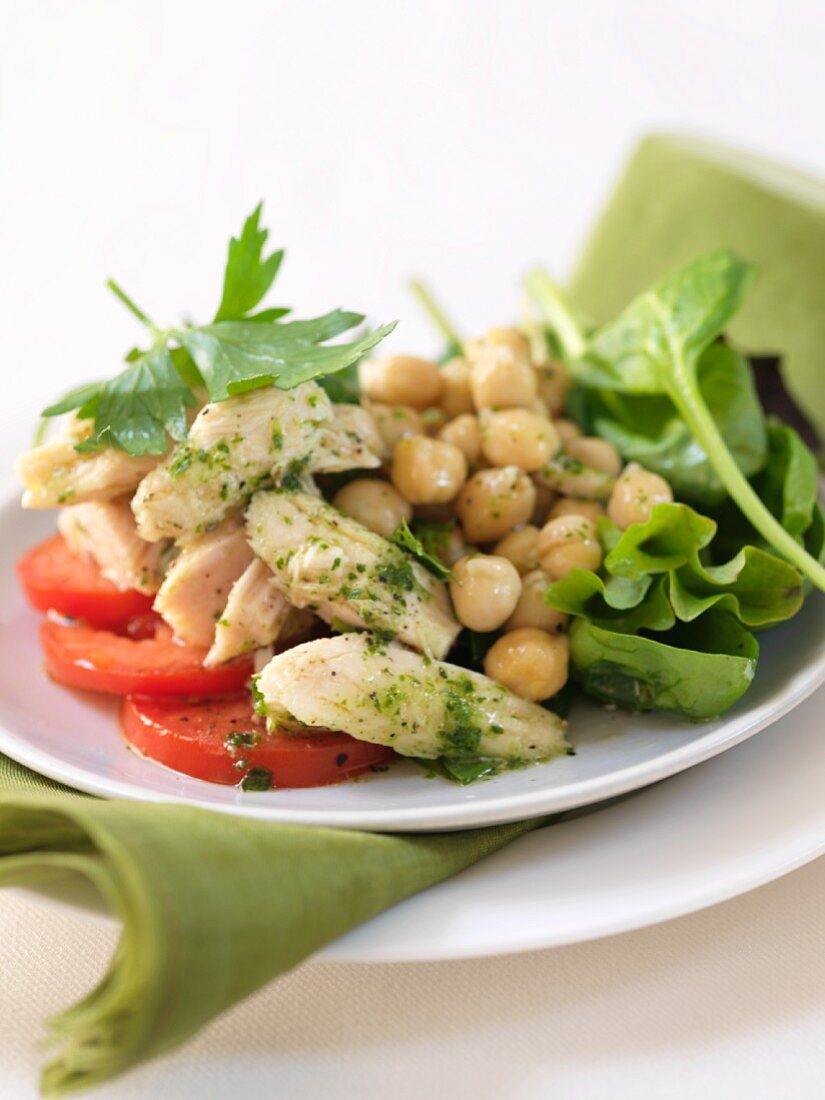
(140, 408)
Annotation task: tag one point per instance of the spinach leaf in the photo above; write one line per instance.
(648, 428)
(755, 586)
(789, 484)
(700, 670)
(654, 347)
(615, 603)
(672, 537)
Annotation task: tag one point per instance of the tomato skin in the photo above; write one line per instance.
(98, 660)
(191, 738)
(55, 579)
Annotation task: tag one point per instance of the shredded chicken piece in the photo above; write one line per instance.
(331, 564)
(196, 588)
(105, 530)
(389, 696)
(257, 614)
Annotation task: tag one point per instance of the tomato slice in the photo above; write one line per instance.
(81, 656)
(220, 740)
(55, 579)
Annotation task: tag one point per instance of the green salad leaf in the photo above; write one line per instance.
(673, 536)
(615, 603)
(757, 587)
(648, 428)
(698, 669)
(140, 408)
(654, 348)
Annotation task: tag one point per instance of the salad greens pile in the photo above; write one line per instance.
(140, 408)
(670, 620)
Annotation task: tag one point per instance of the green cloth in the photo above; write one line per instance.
(679, 197)
(213, 906)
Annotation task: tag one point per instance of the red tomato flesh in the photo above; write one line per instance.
(192, 738)
(98, 660)
(55, 579)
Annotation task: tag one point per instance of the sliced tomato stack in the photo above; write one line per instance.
(194, 719)
(220, 740)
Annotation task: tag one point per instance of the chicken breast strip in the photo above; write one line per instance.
(54, 474)
(196, 588)
(234, 447)
(331, 564)
(257, 614)
(389, 696)
(105, 530)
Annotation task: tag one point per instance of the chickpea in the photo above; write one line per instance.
(396, 422)
(596, 453)
(553, 383)
(499, 380)
(455, 396)
(464, 433)
(568, 476)
(529, 662)
(484, 590)
(517, 437)
(401, 380)
(493, 502)
(521, 548)
(568, 542)
(516, 342)
(531, 610)
(635, 494)
(575, 506)
(427, 471)
(374, 503)
(568, 431)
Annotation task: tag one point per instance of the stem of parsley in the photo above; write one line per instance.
(437, 315)
(133, 308)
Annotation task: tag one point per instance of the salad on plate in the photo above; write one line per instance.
(295, 558)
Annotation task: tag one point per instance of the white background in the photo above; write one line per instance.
(462, 141)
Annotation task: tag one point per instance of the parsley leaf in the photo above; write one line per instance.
(235, 356)
(134, 410)
(248, 275)
(139, 409)
(403, 537)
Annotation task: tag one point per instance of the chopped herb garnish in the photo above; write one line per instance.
(404, 537)
(257, 779)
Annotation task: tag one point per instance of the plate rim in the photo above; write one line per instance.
(461, 814)
(732, 877)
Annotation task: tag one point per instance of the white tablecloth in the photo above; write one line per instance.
(723, 1004)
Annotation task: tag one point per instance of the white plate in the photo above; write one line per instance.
(706, 835)
(72, 736)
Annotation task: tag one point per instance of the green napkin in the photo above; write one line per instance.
(682, 196)
(213, 906)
